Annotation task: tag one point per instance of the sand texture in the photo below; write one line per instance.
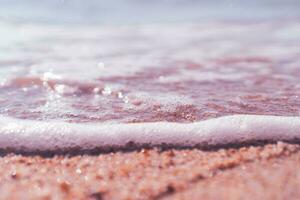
(255, 172)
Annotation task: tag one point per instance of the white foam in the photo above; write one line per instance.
(26, 135)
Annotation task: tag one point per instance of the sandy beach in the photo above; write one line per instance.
(253, 172)
(149, 100)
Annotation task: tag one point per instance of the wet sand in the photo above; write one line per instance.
(254, 172)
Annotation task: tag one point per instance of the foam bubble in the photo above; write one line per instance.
(27, 135)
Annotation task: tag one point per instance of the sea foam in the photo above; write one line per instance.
(29, 136)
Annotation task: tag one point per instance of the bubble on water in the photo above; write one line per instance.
(126, 100)
(60, 88)
(96, 90)
(50, 76)
(165, 101)
(64, 89)
(106, 91)
(25, 89)
(120, 95)
(100, 65)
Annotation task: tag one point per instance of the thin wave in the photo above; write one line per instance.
(30, 136)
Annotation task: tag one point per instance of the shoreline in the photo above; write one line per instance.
(37, 136)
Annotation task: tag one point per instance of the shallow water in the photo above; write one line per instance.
(145, 73)
(61, 73)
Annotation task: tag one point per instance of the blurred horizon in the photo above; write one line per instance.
(142, 11)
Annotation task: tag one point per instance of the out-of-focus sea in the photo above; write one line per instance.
(143, 11)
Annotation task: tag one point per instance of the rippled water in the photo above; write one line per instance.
(145, 73)
(85, 75)
(123, 61)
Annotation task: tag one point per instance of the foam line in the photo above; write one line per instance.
(27, 135)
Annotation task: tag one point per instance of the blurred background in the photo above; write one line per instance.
(143, 11)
